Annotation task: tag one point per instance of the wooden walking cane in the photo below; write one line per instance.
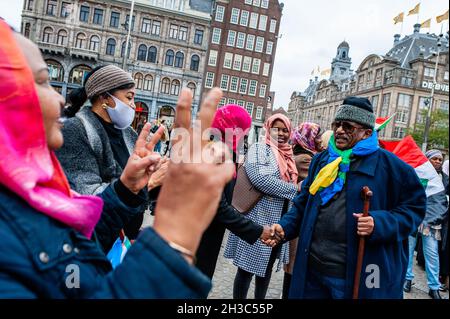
(366, 194)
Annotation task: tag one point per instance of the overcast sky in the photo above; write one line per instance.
(312, 29)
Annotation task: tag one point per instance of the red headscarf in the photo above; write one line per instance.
(27, 166)
(283, 152)
(233, 122)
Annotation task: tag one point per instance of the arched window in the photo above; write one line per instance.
(139, 79)
(47, 35)
(80, 41)
(169, 57)
(179, 60)
(123, 50)
(148, 83)
(111, 47)
(62, 37)
(55, 71)
(78, 73)
(344, 54)
(195, 62)
(26, 32)
(94, 43)
(175, 88)
(142, 52)
(193, 87)
(152, 52)
(165, 86)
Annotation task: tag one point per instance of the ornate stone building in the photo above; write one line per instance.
(399, 82)
(167, 49)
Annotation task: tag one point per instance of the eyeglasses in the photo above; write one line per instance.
(346, 126)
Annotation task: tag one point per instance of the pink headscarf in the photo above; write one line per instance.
(234, 119)
(305, 135)
(27, 167)
(283, 152)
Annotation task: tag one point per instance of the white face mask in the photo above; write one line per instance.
(122, 115)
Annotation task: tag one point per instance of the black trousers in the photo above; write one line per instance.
(244, 278)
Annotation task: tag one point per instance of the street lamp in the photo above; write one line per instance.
(130, 25)
(430, 100)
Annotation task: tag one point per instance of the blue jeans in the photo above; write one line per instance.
(431, 255)
(319, 286)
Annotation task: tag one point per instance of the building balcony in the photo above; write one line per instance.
(53, 49)
(84, 54)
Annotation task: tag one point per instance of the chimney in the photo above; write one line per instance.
(417, 28)
(396, 38)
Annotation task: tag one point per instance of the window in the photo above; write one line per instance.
(256, 65)
(98, 16)
(234, 16)
(234, 84)
(175, 88)
(169, 57)
(51, 7)
(375, 104)
(146, 25)
(262, 23)
(127, 22)
(273, 25)
(243, 86)
(429, 72)
(148, 83)
(231, 101)
(66, 9)
(266, 69)
(259, 112)
(111, 47)
(265, 4)
(237, 62)
(444, 106)
(84, 14)
(228, 60)
(94, 43)
(262, 90)
(156, 27)
(80, 41)
(152, 54)
(256, 3)
(220, 12)
(253, 20)
(122, 50)
(423, 107)
(62, 37)
(399, 132)
(248, 2)
(259, 44)
(231, 38)
(252, 87)
(179, 60)
(142, 52)
(78, 74)
(55, 71)
(165, 86)
(173, 31)
(26, 32)
(222, 102)
(385, 105)
(115, 18)
(193, 87)
(209, 82)
(240, 43)
(224, 82)
(29, 7)
(241, 103)
(244, 18)
(247, 64)
(138, 79)
(198, 37)
(249, 107)
(378, 77)
(183, 33)
(269, 47)
(250, 42)
(446, 76)
(212, 58)
(403, 107)
(195, 62)
(216, 36)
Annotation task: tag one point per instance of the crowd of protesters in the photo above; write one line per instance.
(70, 188)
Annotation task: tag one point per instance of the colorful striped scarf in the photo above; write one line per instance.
(332, 177)
(305, 135)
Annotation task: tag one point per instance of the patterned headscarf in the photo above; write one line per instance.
(305, 135)
(283, 152)
(27, 166)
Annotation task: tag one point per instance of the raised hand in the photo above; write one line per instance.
(157, 178)
(143, 161)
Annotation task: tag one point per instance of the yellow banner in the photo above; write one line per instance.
(415, 10)
(441, 18)
(426, 24)
(399, 18)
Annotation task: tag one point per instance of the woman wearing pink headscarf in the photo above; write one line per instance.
(231, 124)
(271, 169)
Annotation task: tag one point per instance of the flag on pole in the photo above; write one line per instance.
(325, 72)
(426, 24)
(399, 18)
(442, 17)
(408, 151)
(415, 10)
(382, 122)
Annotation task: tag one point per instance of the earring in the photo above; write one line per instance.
(104, 106)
